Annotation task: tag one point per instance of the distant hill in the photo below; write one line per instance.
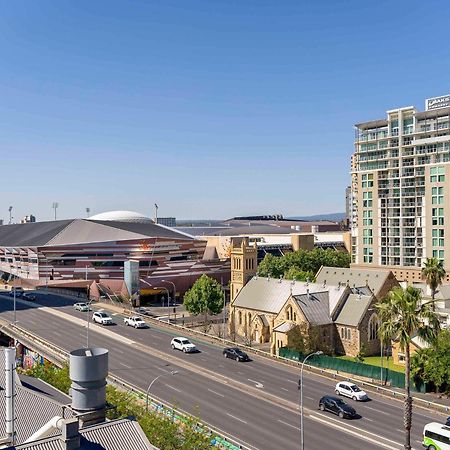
(334, 217)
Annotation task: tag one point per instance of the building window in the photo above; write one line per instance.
(437, 174)
(367, 180)
(240, 317)
(346, 333)
(367, 199)
(437, 195)
(368, 254)
(289, 314)
(374, 324)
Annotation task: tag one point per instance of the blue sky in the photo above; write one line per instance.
(211, 108)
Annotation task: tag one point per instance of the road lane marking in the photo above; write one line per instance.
(217, 393)
(119, 351)
(125, 365)
(378, 410)
(237, 418)
(288, 424)
(171, 387)
(362, 434)
(284, 389)
(256, 383)
(309, 398)
(366, 418)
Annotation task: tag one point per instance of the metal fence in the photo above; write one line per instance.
(391, 377)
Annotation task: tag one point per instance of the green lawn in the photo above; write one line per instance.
(376, 361)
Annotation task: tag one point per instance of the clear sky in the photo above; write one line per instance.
(210, 108)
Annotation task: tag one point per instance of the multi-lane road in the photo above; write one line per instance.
(255, 402)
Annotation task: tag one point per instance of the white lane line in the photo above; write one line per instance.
(240, 373)
(119, 351)
(171, 387)
(366, 418)
(309, 398)
(284, 389)
(216, 393)
(378, 411)
(292, 381)
(359, 433)
(257, 383)
(236, 418)
(288, 424)
(125, 365)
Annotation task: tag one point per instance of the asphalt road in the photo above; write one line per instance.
(255, 402)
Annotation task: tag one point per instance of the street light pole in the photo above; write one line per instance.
(174, 293)
(301, 398)
(172, 372)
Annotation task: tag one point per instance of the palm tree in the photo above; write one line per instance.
(403, 316)
(434, 273)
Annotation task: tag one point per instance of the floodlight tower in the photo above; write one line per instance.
(55, 207)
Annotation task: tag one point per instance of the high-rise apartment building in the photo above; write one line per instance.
(401, 190)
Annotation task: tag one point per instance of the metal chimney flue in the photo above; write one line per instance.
(88, 370)
(10, 374)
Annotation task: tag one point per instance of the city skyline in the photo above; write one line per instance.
(210, 111)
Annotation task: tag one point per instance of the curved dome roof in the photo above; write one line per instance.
(122, 216)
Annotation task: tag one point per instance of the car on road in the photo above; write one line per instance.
(183, 344)
(29, 296)
(102, 318)
(83, 307)
(235, 353)
(18, 290)
(349, 389)
(336, 406)
(135, 321)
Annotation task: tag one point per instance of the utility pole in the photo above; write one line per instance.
(55, 207)
(10, 216)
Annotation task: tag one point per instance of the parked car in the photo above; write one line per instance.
(235, 353)
(29, 296)
(349, 389)
(84, 307)
(336, 406)
(18, 290)
(102, 318)
(183, 344)
(135, 321)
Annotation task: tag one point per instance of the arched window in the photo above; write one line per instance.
(240, 317)
(289, 314)
(374, 324)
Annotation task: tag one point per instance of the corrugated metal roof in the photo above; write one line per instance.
(353, 310)
(315, 306)
(120, 434)
(30, 234)
(284, 327)
(33, 410)
(270, 294)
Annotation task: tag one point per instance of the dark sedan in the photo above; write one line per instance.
(336, 406)
(235, 353)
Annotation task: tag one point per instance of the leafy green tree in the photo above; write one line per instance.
(204, 297)
(432, 365)
(434, 273)
(302, 261)
(293, 273)
(403, 315)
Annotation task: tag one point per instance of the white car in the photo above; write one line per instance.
(349, 389)
(81, 307)
(102, 318)
(135, 322)
(183, 344)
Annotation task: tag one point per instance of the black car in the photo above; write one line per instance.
(337, 406)
(28, 296)
(235, 353)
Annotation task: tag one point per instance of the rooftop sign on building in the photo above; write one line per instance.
(437, 102)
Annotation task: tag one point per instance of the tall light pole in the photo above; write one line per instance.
(174, 294)
(88, 210)
(301, 398)
(10, 214)
(55, 207)
(88, 316)
(156, 213)
(172, 372)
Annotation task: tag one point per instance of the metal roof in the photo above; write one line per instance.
(315, 306)
(113, 435)
(373, 278)
(353, 310)
(270, 294)
(33, 410)
(284, 327)
(81, 231)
